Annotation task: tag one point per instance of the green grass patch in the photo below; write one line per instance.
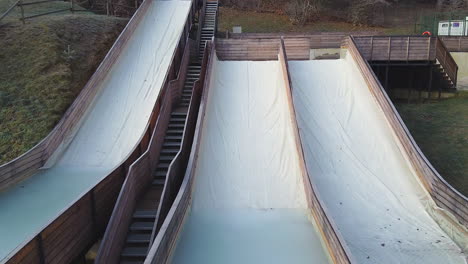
(43, 67)
(441, 131)
(255, 22)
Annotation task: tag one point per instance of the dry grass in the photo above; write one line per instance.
(255, 22)
(43, 66)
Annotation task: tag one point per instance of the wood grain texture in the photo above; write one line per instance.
(443, 194)
(456, 44)
(396, 48)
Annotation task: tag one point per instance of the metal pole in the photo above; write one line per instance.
(22, 11)
(430, 82)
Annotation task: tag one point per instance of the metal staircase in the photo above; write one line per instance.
(143, 221)
(208, 26)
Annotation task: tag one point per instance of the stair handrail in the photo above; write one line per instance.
(446, 60)
(163, 243)
(178, 166)
(441, 191)
(201, 20)
(140, 175)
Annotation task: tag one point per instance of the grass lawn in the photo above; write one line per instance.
(271, 22)
(441, 131)
(43, 67)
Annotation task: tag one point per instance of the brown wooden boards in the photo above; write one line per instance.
(456, 44)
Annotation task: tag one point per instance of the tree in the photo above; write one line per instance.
(363, 11)
(301, 11)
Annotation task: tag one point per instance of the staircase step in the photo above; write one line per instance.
(159, 174)
(172, 151)
(177, 119)
(163, 165)
(159, 182)
(171, 144)
(144, 214)
(134, 252)
(173, 137)
(177, 125)
(132, 262)
(141, 226)
(175, 131)
(178, 114)
(139, 238)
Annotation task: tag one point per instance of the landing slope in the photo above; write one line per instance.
(108, 133)
(249, 203)
(371, 191)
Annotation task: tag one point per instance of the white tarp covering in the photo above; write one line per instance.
(249, 203)
(366, 183)
(109, 132)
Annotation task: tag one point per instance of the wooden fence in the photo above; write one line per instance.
(79, 225)
(456, 44)
(444, 195)
(316, 40)
(397, 48)
(335, 244)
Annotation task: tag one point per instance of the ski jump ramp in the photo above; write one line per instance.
(304, 165)
(370, 189)
(110, 130)
(249, 204)
(240, 184)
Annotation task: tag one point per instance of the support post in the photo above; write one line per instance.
(429, 87)
(22, 11)
(386, 78)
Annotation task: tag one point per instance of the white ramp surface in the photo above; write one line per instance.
(249, 203)
(109, 132)
(372, 193)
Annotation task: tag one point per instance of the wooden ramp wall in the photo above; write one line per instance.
(79, 225)
(443, 194)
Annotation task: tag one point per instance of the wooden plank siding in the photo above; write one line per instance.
(456, 44)
(397, 48)
(79, 225)
(443, 194)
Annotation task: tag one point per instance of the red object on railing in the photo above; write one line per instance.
(427, 33)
